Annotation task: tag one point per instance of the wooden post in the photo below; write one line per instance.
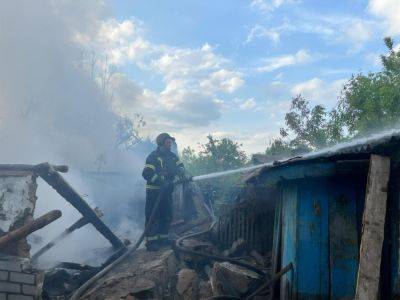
(57, 182)
(23, 231)
(373, 224)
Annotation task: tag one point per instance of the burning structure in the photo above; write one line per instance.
(319, 226)
(19, 279)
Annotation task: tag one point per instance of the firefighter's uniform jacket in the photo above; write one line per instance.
(160, 171)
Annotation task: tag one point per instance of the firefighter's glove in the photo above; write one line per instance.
(168, 186)
(157, 179)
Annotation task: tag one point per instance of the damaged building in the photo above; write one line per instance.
(324, 225)
(336, 220)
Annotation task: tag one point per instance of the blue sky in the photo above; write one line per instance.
(230, 68)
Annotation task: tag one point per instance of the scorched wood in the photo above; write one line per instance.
(23, 231)
(56, 181)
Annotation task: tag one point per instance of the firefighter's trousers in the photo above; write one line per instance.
(159, 227)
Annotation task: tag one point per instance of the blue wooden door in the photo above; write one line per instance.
(312, 239)
(343, 238)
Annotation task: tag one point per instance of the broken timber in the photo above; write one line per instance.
(56, 181)
(373, 224)
(23, 231)
(78, 224)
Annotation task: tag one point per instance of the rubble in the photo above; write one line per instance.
(142, 274)
(196, 268)
(187, 286)
(230, 279)
(205, 290)
(238, 247)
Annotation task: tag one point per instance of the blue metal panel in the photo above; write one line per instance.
(343, 238)
(289, 239)
(313, 249)
(298, 171)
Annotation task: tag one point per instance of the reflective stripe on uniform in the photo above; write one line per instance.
(152, 187)
(161, 161)
(153, 179)
(151, 238)
(163, 236)
(150, 167)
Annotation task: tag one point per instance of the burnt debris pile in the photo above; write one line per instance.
(208, 258)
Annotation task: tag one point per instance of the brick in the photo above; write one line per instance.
(3, 276)
(3, 296)
(10, 265)
(20, 297)
(10, 287)
(29, 289)
(22, 278)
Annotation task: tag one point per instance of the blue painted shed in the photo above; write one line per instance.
(318, 216)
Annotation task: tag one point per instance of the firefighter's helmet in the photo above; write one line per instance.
(162, 137)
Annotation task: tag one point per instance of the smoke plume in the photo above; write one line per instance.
(52, 109)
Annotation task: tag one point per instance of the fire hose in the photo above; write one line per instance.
(179, 247)
(79, 292)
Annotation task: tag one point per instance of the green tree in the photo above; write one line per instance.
(367, 103)
(372, 102)
(306, 128)
(214, 156)
(128, 131)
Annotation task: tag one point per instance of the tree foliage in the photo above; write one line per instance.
(372, 102)
(128, 131)
(214, 156)
(368, 103)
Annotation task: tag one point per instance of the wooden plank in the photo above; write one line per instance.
(288, 289)
(312, 240)
(32, 226)
(343, 238)
(276, 242)
(29, 168)
(57, 182)
(373, 228)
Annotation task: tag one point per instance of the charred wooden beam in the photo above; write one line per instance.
(274, 278)
(78, 224)
(30, 168)
(23, 231)
(56, 181)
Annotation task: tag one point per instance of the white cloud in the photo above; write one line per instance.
(248, 104)
(389, 10)
(344, 29)
(184, 62)
(359, 31)
(277, 62)
(267, 6)
(262, 32)
(222, 80)
(192, 77)
(373, 58)
(318, 91)
(121, 41)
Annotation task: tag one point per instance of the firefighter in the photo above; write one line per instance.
(161, 171)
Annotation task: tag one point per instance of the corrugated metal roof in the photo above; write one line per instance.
(381, 142)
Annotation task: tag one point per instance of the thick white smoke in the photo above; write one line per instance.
(52, 109)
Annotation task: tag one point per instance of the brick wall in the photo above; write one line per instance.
(18, 280)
